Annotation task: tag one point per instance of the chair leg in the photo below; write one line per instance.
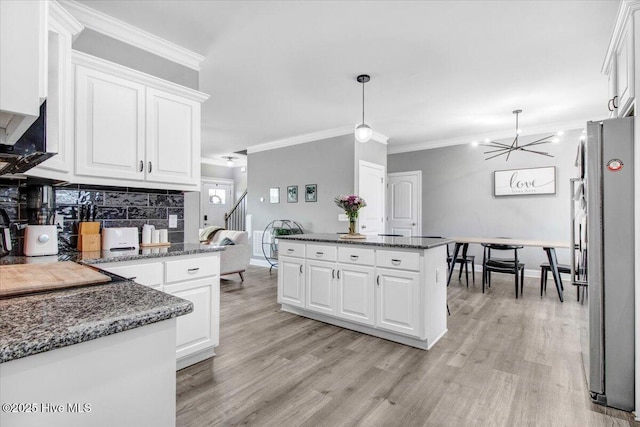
(516, 282)
(541, 274)
(545, 279)
(466, 272)
(522, 282)
(241, 273)
(460, 272)
(473, 271)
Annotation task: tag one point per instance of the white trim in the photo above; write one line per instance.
(566, 126)
(134, 36)
(418, 202)
(239, 160)
(211, 180)
(93, 62)
(625, 10)
(59, 14)
(378, 137)
(259, 263)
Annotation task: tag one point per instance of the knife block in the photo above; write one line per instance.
(89, 236)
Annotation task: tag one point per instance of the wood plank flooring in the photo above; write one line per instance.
(503, 362)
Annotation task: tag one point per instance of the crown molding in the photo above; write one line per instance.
(300, 139)
(625, 10)
(496, 136)
(59, 15)
(90, 61)
(134, 36)
(239, 160)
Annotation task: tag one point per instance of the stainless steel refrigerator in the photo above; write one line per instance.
(603, 231)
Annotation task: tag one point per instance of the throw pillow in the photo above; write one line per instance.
(227, 242)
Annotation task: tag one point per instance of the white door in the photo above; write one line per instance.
(110, 130)
(320, 284)
(356, 294)
(291, 281)
(371, 187)
(404, 202)
(173, 134)
(398, 301)
(217, 199)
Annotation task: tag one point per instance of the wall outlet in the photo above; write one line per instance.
(173, 221)
(343, 217)
(59, 221)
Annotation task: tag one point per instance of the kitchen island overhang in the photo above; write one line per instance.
(390, 287)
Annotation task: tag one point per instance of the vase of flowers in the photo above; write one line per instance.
(351, 205)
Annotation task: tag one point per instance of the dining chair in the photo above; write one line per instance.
(502, 265)
(545, 268)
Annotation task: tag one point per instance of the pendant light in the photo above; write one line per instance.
(363, 131)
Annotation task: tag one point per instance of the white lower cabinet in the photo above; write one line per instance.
(291, 281)
(320, 291)
(398, 301)
(356, 294)
(192, 277)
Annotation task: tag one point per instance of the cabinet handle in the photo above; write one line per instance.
(396, 261)
(354, 257)
(141, 166)
(615, 98)
(193, 270)
(333, 273)
(609, 104)
(150, 167)
(300, 268)
(289, 250)
(378, 280)
(319, 253)
(132, 278)
(338, 274)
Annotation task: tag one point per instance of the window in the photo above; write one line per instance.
(217, 196)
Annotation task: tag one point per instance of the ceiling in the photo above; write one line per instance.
(442, 72)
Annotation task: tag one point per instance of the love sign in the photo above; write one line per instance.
(522, 182)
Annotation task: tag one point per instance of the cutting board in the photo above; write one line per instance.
(21, 279)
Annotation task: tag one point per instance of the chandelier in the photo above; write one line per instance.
(500, 149)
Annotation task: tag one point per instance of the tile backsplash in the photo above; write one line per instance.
(115, 207)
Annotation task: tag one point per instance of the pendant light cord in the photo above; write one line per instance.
(363, 102)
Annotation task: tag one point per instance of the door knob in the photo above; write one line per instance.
(363, 226)
(413, 224)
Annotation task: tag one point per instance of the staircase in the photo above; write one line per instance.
(235, 219)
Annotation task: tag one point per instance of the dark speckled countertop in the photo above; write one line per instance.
(380, 241)
(45, 321)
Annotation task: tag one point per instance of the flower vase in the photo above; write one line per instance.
(352, 225)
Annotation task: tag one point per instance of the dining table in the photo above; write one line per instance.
(548, 246)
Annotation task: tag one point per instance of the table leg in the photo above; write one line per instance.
(456, 250)
(553, 263)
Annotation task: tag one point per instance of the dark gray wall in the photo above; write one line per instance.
(327, 163)
(113, 50)
(457, 195)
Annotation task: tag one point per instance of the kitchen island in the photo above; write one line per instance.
(95, 355)
(390, 287)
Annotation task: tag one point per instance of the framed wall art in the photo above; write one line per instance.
(292, 194)
(274, 195)
(311, 193)
(524, 182)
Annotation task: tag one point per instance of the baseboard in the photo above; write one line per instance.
(194, 358)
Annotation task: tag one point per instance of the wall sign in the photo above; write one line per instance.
(523, 182)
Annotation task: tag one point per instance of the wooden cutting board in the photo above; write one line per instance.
(18, 279)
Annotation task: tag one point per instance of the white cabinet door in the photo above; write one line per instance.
(321, 289)
(356, 294)
(398, 301)
(625, 72)
(173, 138)
(148, 274)
(110, 131)
(197, 330)
(291, 281)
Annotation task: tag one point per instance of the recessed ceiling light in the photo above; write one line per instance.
(560, 133)
(555, 140)
(474, 143)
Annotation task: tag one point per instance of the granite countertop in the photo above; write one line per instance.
(176, 249)
(45, 321)
(380, 241)
(40, 322)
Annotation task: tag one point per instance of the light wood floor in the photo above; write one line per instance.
(503, 362)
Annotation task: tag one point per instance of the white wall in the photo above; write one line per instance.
(458, 200)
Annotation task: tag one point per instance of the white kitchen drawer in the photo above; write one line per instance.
(356, 256)
(322, 253)
(146, 274)
(191, 268)
(399, 260)
(291, 249)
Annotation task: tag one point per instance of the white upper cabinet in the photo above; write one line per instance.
(23, 59)
(621, 60)
(110, 131)
(134, 129)
(173, 135)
